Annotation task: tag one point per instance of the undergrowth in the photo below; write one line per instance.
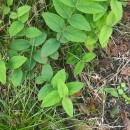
(40, 41)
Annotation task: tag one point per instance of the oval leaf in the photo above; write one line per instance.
(2, 72)
(63, 10)
(71, 3)
(51, 99)
(50, 47)
(62, 88)
(89, 57)
(105, 33)
(38, 40)
(44, 91)
(79, 67)
(19, 45)
(15, 28)
(74, 87)
(16, 61)
(74, 35)
(32, 32)
(116, 7)
(17, 77)
(38, 57)
(68, 106)
(53, 21)
(89, 7)
(23, 10)
(79, 21)
(59, 75)
(47, 72)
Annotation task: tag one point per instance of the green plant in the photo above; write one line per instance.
(119, 91)
(58, 90)
(86, 22)
(78, 22)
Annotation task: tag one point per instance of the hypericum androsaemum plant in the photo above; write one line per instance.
(84, 21)
(55, 91)
(78, 22)
(26, 42)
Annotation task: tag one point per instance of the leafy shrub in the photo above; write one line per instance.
(78, 22)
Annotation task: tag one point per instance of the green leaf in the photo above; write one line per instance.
(105, 33)
(79, 21)
(16, 77)
(13, 15)
(79, 67)
(97, 16)
(72, 60)
(51, 99)
(59, 75)
(24, 18)
(23, 10)
(112, 91)
(89, 18)
(9, 2)
(38, 57)
(63, 10)
(123, 85)
(39, 80)
(50, 47)
(33, 32)
(74, 87)
(89, 57)
(47, 72)
(116, 7)
(19, 45)
(68, 106)
(91, 40)
(71, 3)
(111, 19)
(114, 94)
(55, 55)
(30, 75)
(74, 35)
(54, 21)
(21, 33)
(98, 0)
(120, 91)
(62, 88)
(5, 9)
(29, 64)
(109, 90)
(44, 91)
(61, 38)
(2, 72)
(16, 61)
(101, 22)
(38, 40)
(12, 53)
(89, 7)
(15, 28)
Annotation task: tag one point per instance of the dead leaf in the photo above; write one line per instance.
(125, 120)
(92, 105)
(84, 109)
(126, 71)
(81, 126)
(78, 94)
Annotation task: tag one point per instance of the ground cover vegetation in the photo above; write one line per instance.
(62, 64)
